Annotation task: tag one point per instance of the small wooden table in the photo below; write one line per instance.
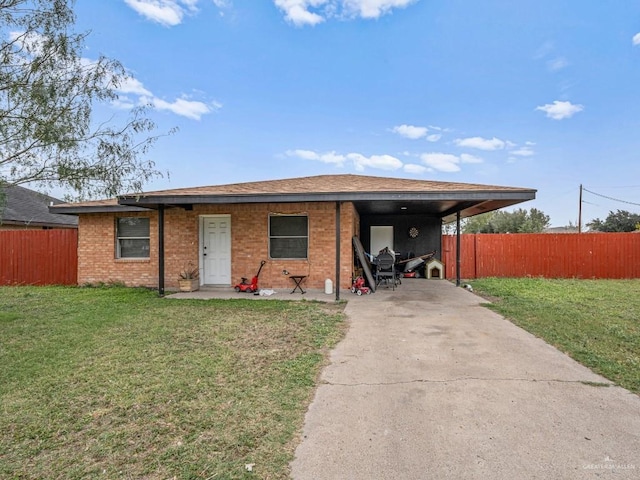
(297, 279)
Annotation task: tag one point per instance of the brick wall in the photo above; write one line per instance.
(249, 245)
(97, 262)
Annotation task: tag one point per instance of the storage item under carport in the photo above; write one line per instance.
(413, 265)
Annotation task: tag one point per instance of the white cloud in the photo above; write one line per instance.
(481, 143)
(444, 162)
(183, 107)
(303, 154)
(413, 168)
(636, 39)
(381, 162)
(434, 137)
(132, 92)
(32, 42)
(171, 12)
(164, 12)
(559, 110)
(312, 12)
(466, 158)
(298, 11)
(133, 85)
(557, 64)
(123, 103)
(360, 162)
(329, 157)
(333, 158)
(373, 8)
(523, 152)
(410, 131)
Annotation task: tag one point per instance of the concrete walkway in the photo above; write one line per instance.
(228, 293)
(429, 384)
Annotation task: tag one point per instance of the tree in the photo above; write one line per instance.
(620, 221)
(518, 221)
(48, 133)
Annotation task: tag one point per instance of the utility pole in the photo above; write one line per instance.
(580, 212)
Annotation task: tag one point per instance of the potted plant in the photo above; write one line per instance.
(188, 279)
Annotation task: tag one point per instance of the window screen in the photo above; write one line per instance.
(288, 236)
(132, 237)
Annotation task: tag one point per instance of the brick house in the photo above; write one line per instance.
(303, 226)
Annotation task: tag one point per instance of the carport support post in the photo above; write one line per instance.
(337, 251)
(161, 250)
(458, 249)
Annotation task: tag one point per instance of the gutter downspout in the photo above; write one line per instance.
(337, 252)
(161, 250)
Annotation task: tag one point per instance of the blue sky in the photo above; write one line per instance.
(541, 94)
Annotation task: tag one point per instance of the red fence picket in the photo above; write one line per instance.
(39, 257)
(586, 255)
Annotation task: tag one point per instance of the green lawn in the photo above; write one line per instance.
(597, 322)
(118, 383)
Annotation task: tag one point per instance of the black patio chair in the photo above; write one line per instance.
(386, 270)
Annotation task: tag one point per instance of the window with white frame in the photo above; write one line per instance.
(132, 237)
(288, 236)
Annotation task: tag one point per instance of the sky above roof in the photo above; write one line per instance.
(537, 94)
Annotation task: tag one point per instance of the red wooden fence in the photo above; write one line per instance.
(50, 257)
(39, 257)
(586, 255)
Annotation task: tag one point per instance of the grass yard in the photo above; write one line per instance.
(118, 383)
(596, 322)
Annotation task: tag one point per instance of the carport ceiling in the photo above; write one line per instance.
(445, 209)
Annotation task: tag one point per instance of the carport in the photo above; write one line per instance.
(415, 219)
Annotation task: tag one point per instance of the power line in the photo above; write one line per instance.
(611, 198)
(616, 186)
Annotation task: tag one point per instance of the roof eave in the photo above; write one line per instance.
(473, 195)
(486, 206)
(22, 223)
(79, 209)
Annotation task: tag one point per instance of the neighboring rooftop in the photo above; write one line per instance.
(27, 208)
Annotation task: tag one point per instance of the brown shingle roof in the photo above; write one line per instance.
(346, 183)
(93, 206)
(377, 193)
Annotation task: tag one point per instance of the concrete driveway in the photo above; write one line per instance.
(430, 384)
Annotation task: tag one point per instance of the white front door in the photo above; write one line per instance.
(381, 237)
(216, 250)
